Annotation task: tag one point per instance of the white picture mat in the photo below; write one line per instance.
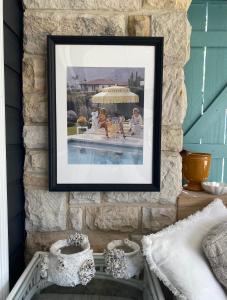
(103, 56)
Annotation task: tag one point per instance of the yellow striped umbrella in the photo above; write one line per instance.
(114, 95)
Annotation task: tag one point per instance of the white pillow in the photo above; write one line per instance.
(175, 255)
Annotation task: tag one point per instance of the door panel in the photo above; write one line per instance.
(215, 130)
(194, 80)
(215, 73)
(216, 169)
(217, 16)
(197, 16)
(206, 81)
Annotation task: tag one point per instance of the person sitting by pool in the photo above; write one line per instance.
(136, 122)
(102, 120)
(119, 119)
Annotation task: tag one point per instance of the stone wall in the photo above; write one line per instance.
(103, 216)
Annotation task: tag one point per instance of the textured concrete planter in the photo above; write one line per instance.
(123, 259)
(69, 268)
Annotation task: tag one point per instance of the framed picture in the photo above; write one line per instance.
(105, 96)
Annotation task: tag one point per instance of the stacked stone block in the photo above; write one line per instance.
(103, 216)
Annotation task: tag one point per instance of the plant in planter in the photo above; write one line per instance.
(70, 262)
(123, 259)
(82, 121)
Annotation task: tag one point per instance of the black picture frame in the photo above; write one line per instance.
(157, 42)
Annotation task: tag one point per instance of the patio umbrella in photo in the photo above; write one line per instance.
(115, 95)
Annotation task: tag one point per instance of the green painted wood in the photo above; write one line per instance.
(194, 81)
(209, 39)
(214, 133)
(197, 16)
(205, 128)
(225, 170)
(205, 121)
(216, 170)
(225, 130)
(216, 150)
(217, 16)
(216, 73)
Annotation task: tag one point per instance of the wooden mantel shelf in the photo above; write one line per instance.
(189, 202)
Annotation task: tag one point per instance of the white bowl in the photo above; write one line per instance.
(216, 188)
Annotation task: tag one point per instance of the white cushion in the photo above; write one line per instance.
(175, 255)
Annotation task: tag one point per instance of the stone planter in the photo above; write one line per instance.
(70, 262)
(123, 259)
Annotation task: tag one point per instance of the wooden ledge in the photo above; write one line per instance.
(189, 202)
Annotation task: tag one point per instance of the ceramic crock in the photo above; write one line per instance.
(68, 268)
(122, 263)
(196, 167)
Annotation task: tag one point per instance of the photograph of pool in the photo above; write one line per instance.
(80, 152)
(105, 109)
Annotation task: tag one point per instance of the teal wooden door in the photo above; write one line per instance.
(205, 126)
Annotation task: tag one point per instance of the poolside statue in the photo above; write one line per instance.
(94, 120)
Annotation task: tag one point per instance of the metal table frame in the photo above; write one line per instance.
(30, 282)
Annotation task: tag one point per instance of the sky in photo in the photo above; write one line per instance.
(91, 73)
